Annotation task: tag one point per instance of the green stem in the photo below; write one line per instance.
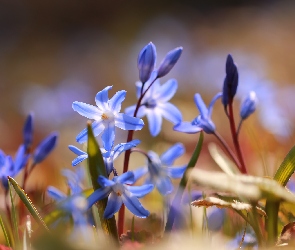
(271, 224)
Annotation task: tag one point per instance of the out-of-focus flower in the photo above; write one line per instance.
(106, 116)
(28, 132)
(155, 105)
(230, 84)
(44, 148)
(248, 105)
(118, 193)
(160, 170)
(146, 62)
(10, 167)
(249, 242)
(215, 218)
(108, 156)
(201, 122)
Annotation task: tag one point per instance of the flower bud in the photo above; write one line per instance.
(169, 61)
(146, 62)
(28, 132)
(44, 148)
(230, 84)
(249, 105)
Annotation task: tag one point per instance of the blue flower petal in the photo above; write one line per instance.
(140, 113)
(170, 112)
(166, 91)
(164, 185)
(201, 106)
(2, 158)
(87, 110)
(20, 159)
(172, 154)
(126, 177)
(187, 127)
(55, 194)
(113, 205)
(133, 204)
(116, 100)
(118, 149)
(104, 182)
(215, 98)
(79, 159)
(139, 172)
(155, 122)
(130, 110)
(140, 191)
(126, 122)
(108, 136)
(215, 218)
(102, 98)
(176, 172)
(97, 195)
(76, 150)
(97, 127)
(45, 147)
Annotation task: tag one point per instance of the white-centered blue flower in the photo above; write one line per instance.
(201, 122)
(106, 116)
(159, 170)
(108, 156)
(155, 105)
(118, 193)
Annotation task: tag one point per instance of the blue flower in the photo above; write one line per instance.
(230, 84)
(160, 170)
(106, 116)
(155, 105)
(215, 218)
(76, 204)
(44, 148)
(201, 122)
(108, 156)
(10, 167)
(118, 193)
(248, 105)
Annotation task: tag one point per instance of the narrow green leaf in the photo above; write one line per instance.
(6, 236)
(132, 229)
(282, 176)
(27, 202)
(286, 169)
(96, 168)
(183, 183)
(14, 218)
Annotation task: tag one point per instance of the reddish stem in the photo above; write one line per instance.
(235, 138)
(127, 158)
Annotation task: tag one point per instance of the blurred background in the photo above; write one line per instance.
(55, 52)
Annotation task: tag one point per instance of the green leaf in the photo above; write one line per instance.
(28, 203)
(286, 169)
(96, 168)
(14, 218)
(183, 183)
(6, 236)
(282, 176)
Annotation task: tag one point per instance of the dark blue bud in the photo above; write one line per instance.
(146, 62)
(249, 105)
(169, 61)
(230, 84)
(28, 131)
(44, 148)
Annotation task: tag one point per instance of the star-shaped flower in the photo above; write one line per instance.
(118, 192)
(106, 116)
(155, 105)
(160, 169)
(201, 122)
(10, 167)
(108, 156)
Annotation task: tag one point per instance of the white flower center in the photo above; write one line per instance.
(80, 203)
(118, 189)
